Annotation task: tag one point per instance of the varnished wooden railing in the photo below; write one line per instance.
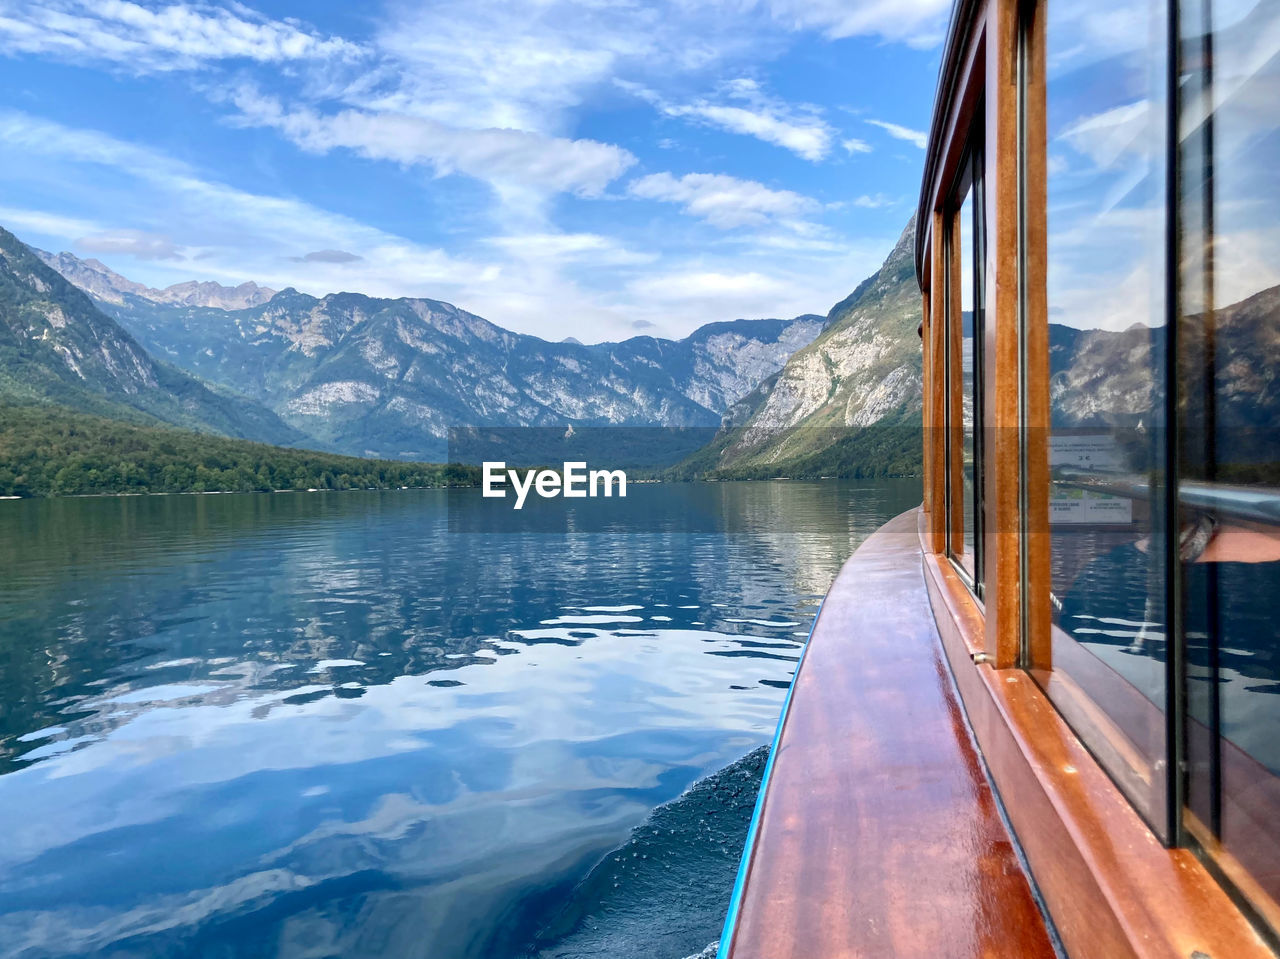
(878, 833)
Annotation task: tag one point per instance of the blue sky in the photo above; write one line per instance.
(592, 169)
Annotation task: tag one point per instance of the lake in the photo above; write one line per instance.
(339, 724)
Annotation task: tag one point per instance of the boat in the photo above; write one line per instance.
(1039, 715)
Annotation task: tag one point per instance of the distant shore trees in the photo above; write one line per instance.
(52, 451)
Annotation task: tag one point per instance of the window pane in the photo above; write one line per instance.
(1229, 345)
(1106, 270)
(964, 368)
(965, 552)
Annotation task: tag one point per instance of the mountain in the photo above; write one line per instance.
(389, 377)
(1108, 378)
(56, 346)
(862, 371)
(108, 286)
(1229, 388)
(1246, 381)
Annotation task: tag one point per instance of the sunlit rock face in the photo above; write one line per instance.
(57, 346)
(863, 368)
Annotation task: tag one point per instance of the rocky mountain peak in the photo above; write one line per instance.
(103, 283)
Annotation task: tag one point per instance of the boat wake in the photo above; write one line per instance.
(664, 893)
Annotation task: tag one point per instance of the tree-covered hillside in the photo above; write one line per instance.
(56, 347)
(53, 451)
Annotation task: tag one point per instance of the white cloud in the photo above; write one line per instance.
(227, 233)
(811, 140)
(136, 243)
(1247, 260)
(768, 242)
(1089, 31)
(724, 201)
(692, 285)
(918, 23)
(591, 247)
(328, 256)
(761, 279)
(145, 39)
(1114, 300)
(1107, 261)
(854, 145)
(1120, 132)
(508, 159)
(898, 132)
(43, 222)
(745, 109)
(873, 201)
(496, 64)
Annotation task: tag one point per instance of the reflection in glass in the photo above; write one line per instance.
(1229, 404)
(966, 371)
(1106, 264)
(966, 549)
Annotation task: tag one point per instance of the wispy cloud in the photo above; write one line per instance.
(136, 243)
(918, 23)
(724, 201)
(328, 256)
(496, 64)
(809, 139)
(1105, 138)
(570, 247)
(854, 145)
(873, 201)
(42, 221)
(743, 107)
(916, 138)
(507, 159)
(234, 234)
(693, 285)
(171, 37)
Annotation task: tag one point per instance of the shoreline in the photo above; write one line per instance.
(399, 489)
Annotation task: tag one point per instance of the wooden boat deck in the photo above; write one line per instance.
(878, 834)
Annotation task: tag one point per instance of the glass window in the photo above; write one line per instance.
(1106, 192)
(964, 384)
(1229, 407)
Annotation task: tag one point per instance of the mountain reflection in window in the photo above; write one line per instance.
(965, 384)
(1106, 270)
(1229, 409)
(966, 555)
(1147, 561)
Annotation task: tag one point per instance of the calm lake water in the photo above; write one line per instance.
(315, 725)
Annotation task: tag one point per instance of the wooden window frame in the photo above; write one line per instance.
(1109, 886)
